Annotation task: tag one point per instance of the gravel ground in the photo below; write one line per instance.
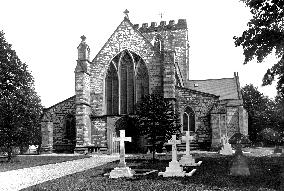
(22, 178)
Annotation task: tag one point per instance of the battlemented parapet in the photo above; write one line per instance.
(174, 37)
(145, 28)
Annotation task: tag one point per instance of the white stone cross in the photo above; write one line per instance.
(187, 138)
(174, 143)
(224, 140)
(122, 139)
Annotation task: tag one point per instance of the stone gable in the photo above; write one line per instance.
(125, 37)
(56, 114)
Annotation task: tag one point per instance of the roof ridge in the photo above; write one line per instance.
(213, 79)
(197, 91)
(45, 109)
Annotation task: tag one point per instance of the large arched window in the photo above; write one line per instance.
(126, 82)
(112, 90)
(70, 128)
(188, 120)
(126, 66)
(142, 81)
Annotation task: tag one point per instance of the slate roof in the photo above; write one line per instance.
(226, 88)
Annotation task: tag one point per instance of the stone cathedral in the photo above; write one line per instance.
(137, 61)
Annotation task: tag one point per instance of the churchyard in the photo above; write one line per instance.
(212, 174)
(199, 170)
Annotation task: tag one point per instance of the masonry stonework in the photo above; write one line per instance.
(83, 98)
(201, 104)
(134, 62)
(53, 124)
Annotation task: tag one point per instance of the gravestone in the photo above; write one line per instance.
(174, 168)
(226, 148)
(239, 166)
(122, 170)
(239, 163)
(32, 149)
(187, 159)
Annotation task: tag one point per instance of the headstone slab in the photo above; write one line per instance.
(239, 166)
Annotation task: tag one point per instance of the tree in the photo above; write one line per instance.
(279, 100)
(20, 106)
(265, 34)
(261, 112)
(157, 119)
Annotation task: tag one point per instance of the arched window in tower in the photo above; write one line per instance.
(70, 128)
(127, 83)
(188, 120)
(142, 81)
(111, 90)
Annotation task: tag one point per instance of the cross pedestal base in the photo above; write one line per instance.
(187, 160)
(226, 149)
(175, 169)
(119, 172)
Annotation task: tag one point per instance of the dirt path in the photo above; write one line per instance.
(22, 178)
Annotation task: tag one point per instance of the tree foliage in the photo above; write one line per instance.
(263, 113)
(157, 119)
(20, 106)
(265, 33)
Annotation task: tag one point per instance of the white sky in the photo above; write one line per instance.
(46, 33)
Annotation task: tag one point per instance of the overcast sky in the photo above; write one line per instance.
(46, 33)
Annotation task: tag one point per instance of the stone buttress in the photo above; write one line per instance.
(82, 89)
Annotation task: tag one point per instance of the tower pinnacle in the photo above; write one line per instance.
(83, 49)
(83, 38)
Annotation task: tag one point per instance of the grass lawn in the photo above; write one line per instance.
(25, 161)
(211, 175)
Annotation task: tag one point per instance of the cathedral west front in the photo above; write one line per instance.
(134, 62)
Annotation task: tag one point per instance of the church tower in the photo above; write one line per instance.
(82, 89)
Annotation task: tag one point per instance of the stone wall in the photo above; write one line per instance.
(99, 132)
(47, 136)
(227, 120)
(218, 122)
(201, 103)
(56, 115)
(169, 79)
(83, 98)
(124, 38)
(175, 38)
(243, 120)
(232, 120)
